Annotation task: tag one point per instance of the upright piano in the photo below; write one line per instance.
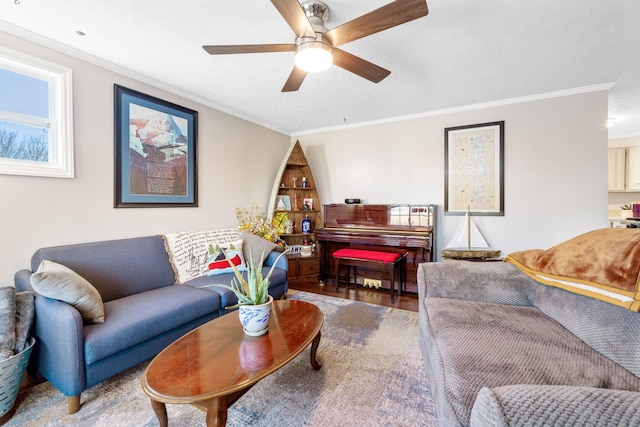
(409, 227)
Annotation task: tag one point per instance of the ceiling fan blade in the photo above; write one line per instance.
(293, 13)
(249, 48)
(359, 66)
(295, 80)
(388, 16)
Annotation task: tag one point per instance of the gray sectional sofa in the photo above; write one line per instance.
(504, 350)
(144, 309)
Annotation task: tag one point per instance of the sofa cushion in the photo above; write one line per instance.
(116, 268)
(227, 297)
(57, 281)
(497, 282)
(222, 254)
(602, 264)
(134, 319)
(612, 331)
(478, 344)
(519, 405)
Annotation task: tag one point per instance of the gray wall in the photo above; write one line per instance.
(555, 167)
(237, 163)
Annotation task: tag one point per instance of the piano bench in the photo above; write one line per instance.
(390, 262)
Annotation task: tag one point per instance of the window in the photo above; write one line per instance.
(36, 130)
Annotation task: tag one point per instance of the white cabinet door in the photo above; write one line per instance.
(616, 162)
(633, 168)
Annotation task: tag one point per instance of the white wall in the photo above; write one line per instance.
(237, 163)
(555, 168)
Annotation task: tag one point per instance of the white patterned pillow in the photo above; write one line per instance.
(222, 254)
(188, 250)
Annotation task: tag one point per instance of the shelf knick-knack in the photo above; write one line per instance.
(295, 201)
(306, 225)
(288, 227)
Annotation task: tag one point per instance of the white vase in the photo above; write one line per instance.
(255, 318)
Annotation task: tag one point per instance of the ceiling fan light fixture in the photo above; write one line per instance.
(314, 52)
(313, 56)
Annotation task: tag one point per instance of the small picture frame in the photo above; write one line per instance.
(307, 204)
(283, 203)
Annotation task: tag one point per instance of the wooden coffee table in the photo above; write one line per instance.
(214, 365)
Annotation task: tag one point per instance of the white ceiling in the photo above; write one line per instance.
(463, 52)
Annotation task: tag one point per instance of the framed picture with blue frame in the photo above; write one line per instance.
(155, 152)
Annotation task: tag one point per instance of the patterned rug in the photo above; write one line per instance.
(372, 375)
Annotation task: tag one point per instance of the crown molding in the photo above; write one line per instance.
(471, 107)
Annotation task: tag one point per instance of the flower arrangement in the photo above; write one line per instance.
(255, 221)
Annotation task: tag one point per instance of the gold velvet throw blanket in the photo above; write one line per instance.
(602, 264)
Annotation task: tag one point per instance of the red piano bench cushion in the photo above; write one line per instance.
(362, 254)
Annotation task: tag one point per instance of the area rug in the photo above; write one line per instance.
(372, 375)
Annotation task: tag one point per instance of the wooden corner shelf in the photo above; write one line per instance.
(288, 186)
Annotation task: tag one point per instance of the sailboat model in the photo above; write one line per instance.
(467, 236)
(468, 243)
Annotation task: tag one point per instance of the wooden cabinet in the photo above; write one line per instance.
(303, 267)
(616, 169)
(294, 198)
(624, 169)
(633, 168)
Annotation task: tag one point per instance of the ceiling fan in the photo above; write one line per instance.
(316, 47)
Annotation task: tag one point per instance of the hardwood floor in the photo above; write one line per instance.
(408, 301)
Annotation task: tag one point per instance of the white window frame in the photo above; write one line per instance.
(59, 122)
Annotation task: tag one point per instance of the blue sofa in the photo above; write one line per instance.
(145, 310)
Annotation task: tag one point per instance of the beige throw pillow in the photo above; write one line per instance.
(56, 281)
(255, 247)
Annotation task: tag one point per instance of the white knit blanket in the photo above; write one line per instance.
(188, 250)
